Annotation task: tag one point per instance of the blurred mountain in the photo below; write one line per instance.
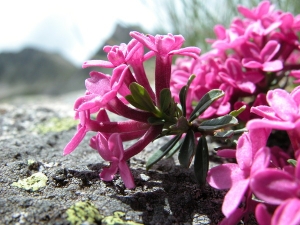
(32, 71)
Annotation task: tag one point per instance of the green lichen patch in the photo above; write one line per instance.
(117, 219)
(82, 212)
(33, 183)
(55, 124)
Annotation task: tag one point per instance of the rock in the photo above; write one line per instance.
(163, 195)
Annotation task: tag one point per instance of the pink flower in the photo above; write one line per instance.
(275, 186)
(255, 58)
(235, 77)
(111, 150)
(252, 156)
(256, 13)
(287, 213)
(278, 187)
(282, 114)
(102, 88)
(164, 47)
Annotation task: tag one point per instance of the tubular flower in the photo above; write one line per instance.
(282, 114)
(250, 57)
(111, 150)
(127, 93)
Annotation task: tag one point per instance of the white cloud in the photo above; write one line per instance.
(74, 28)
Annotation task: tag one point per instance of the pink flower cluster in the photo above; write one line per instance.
(256, 53)
(262, 180)
(249, 59)
(107, 93)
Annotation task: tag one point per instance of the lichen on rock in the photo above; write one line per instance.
(33, 183)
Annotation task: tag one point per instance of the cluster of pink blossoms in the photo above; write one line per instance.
(256, 53)
(264, 49)
(252, 59)
(107, 92)
(265, 180)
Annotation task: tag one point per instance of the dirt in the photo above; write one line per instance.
(30, 144)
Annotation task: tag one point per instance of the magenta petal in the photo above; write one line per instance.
(103, 149)
(75, 141)
(224, 176)
(249, 63)
(86, 102)
(261, 123)
(234, 197)
(283, 104)
(108, 173)
(227, 153)
(247, 87)
(273, 186)
(98, 83)
(246, 12)
(287, 213)
(244, 153)
(234, 218)
(262, 215)
(115, 145)
(261, 160)
(145, 40)
(259, 138)
(97, 63)
(295, 94)
(270, 49)
(265, 111)
(126, 175)
(272, 66)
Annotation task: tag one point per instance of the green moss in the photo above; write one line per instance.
(117, 219)
(55, 125)
(33, 183)
(83, 212)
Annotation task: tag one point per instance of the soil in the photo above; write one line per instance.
(166, 194)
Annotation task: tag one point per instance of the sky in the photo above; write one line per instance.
(76, 29)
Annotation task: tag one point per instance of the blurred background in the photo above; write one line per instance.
(44, 43)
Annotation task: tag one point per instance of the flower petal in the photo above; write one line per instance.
(261, 160)
(115, 146)
(224, 176)
(126, 175)
(287, 213)
(261, 123)
(283, 104)
(75, 141)
(244, 153)
(234, 197)
(108, 173)
(273, 186)
(262, 215)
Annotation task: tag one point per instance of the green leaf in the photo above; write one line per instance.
(201, 161)
(141, 97)
(174, 149)
(187, 149)
(292, 162)
(182, 98)
(165, 99)
(218, 123)
(162, 152)
(224, 134)
(237, 112)
(183, 94)
(131, 100)
(155, 121)
(205, 102)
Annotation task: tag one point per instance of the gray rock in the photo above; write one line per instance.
(166, 194)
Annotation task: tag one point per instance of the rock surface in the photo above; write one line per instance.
(166, 194)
